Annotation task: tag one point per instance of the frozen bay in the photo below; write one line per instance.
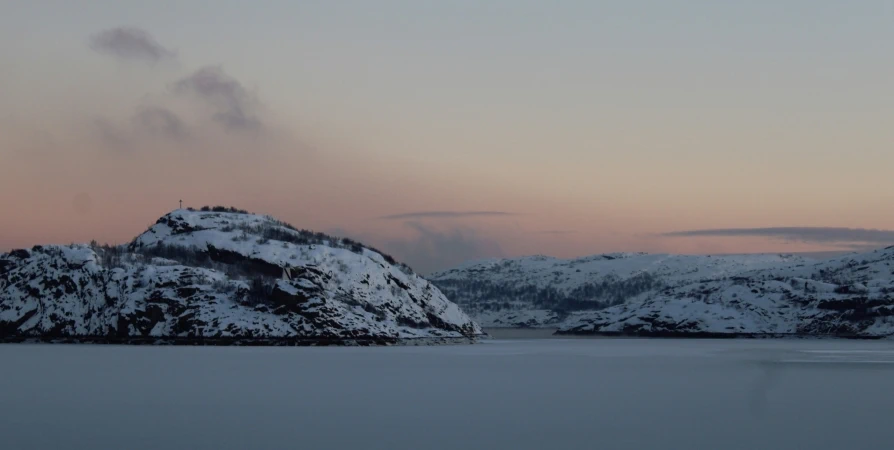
(501, 394)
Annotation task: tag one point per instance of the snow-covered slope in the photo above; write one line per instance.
(846, 296)
(222, 277)
(540, 291)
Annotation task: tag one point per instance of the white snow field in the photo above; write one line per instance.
(595, 393)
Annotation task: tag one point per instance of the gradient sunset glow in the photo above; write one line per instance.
(453, 130)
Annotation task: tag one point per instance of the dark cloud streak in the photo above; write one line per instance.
(557, 232)
(803, 234)
(129, 43)
(445, 215)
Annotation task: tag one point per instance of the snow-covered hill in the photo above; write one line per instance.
(847, 296)
(540, 291)
(221, 276)
(677, 295)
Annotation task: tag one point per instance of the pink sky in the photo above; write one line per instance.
(336, 122)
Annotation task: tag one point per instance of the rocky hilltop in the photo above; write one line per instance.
(222, 276)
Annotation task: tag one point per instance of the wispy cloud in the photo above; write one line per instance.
(434, 249)
(111, 136)
(854, 237)
(557, 232)
(429, 249)
(235, 106)
(445, 214)
(160, 121)
(149, 125)
(129, 43)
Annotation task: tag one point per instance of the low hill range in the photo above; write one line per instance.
(638, 294)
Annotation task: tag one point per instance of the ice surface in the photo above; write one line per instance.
(503, 394)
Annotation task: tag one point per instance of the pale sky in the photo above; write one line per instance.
(592, 126)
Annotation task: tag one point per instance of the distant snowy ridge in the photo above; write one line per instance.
(679, 295)
(850, 296)
(219, 276)
(541, 291)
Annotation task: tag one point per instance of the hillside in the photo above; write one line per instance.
(222, 276)
(850, 296)
(540, 291)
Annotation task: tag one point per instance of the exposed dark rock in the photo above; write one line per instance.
(254, 265)
(20, 253)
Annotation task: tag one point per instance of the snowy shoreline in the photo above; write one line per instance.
(557, 333)
(244, 342)
(714, 335)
